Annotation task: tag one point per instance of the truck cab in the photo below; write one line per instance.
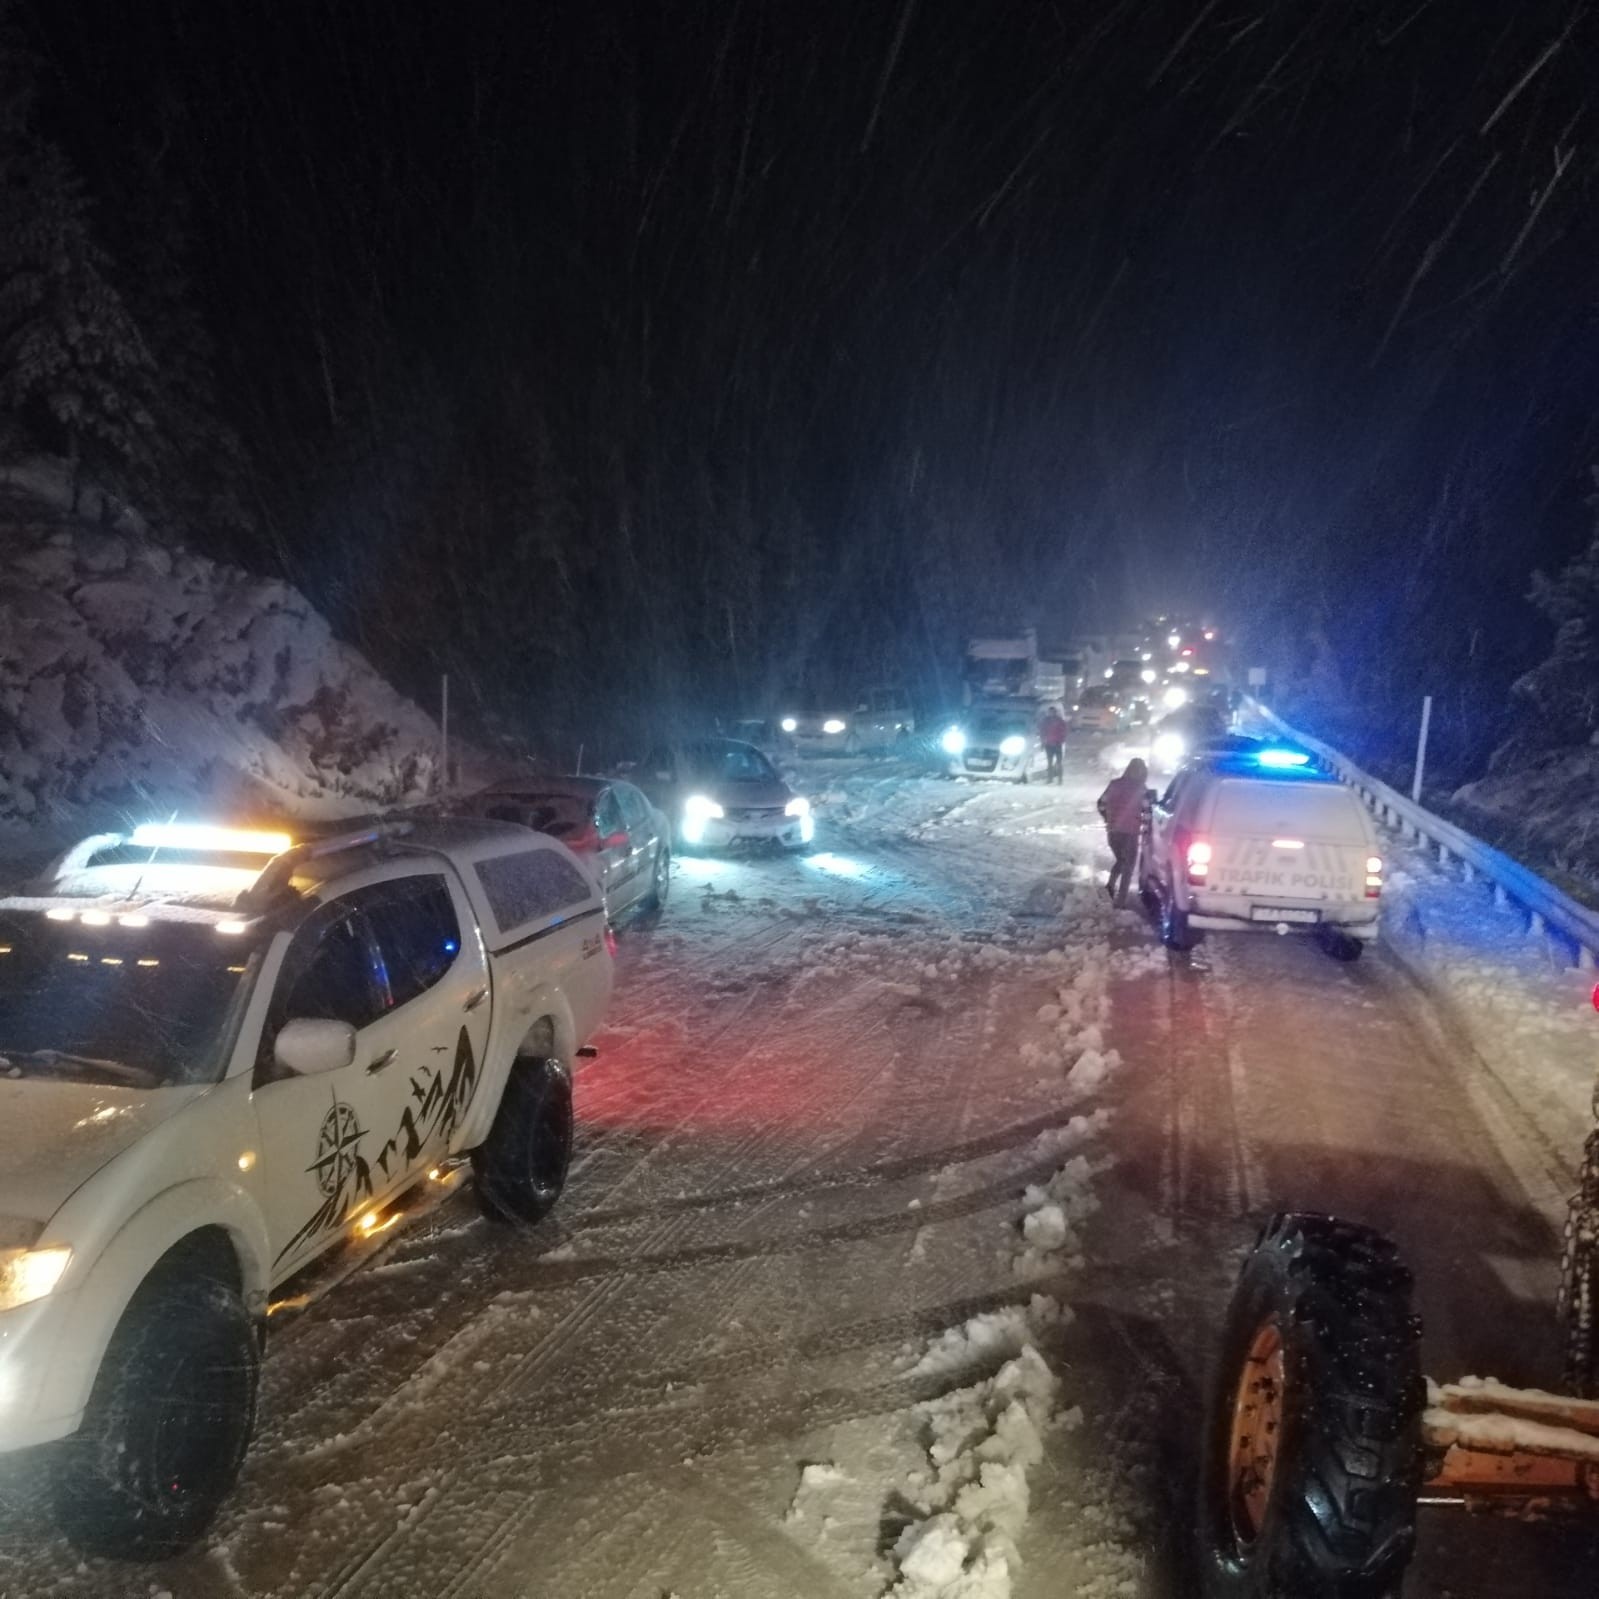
(224, 1054)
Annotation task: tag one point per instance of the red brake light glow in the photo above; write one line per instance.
(1198, 856)
(610, 941)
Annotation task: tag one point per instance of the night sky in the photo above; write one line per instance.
(803, 338)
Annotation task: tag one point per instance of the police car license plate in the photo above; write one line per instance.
(1282, 913)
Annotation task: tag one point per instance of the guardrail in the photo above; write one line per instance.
(1547, 910)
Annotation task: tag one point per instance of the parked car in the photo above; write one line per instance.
(609, 824)
(1189, 730)
(719, 793)
(767, 735)
(1099, 709)
(998, 740)
(1262, 842)
(225, 1055)
(870, 723)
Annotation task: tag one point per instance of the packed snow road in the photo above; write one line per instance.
(910, 1188)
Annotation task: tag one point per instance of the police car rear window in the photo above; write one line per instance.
(1300, 809)
(532, 886)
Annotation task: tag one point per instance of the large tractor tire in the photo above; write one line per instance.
(1312, 1450)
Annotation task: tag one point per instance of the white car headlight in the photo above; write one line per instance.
(30, 1274)
(789, 725)
(798, 806)
(1014, 745)
(1170, 748)
(832, 725)
(953, 742)
(700, 808)
(1173, 697)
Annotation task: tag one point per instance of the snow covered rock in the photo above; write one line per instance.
(137, 679)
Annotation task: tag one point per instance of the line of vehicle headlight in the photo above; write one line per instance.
(702, 808)
(954, 741)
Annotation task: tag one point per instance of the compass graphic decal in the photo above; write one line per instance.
(337, 1149)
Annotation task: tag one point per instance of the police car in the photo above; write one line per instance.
(224, 1054)
(1261, 841)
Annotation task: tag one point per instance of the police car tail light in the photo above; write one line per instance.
(610, 941)
(1198, 855)
(1373, 876)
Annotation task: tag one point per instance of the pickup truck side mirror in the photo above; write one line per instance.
(309, 1048)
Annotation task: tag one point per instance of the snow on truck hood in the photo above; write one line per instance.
(55, 1136)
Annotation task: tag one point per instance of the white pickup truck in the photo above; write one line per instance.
(222, 1055)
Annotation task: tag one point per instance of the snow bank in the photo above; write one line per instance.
(1523, 1008)
(1542, 810)
(139, 678)
(982, 1442)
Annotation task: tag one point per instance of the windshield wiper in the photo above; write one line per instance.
(60, 1062)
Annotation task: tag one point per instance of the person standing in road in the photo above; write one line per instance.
(1121, 807)
(1052, 734)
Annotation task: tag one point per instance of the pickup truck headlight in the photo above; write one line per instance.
(1014, 745)
(701, 808)
(30, 1274)
(798, 806)
(832, 725)
(953, 742)
(790, 725)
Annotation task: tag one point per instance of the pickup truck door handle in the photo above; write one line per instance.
(474, 1000)
(378, 1062)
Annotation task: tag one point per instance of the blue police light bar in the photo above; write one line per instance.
(1283, 759)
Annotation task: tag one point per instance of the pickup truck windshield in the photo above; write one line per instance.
(142, 1007)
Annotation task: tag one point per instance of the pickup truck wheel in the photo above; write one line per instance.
(167, 1424)
(1312, 1450)
(521, 1166)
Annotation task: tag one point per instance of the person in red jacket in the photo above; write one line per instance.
(1122, 808)
(1052, 735)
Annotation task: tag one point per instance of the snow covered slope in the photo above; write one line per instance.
(1543, 809)
(136, 677)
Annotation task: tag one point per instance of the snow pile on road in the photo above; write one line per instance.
(992, 1336)
(1075, 1042)
(1051, 1214)
(983, 1440)
(141, 677)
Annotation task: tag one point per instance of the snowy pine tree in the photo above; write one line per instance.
(74, 366)
(1563, 691)
(200, 458)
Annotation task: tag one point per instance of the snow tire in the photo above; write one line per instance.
(167, 1424)
(521, 1166)
(1312, 1449)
